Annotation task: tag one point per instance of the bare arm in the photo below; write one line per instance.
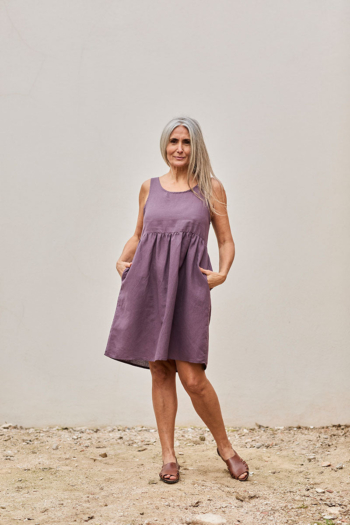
(127, 255)
(223, 234)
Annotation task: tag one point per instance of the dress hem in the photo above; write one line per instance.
(129, 362)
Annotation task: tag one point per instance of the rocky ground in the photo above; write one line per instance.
(110, 476)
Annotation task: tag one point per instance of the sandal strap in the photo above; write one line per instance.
(236, 466)
(171, 469)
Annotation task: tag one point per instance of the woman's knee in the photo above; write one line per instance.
(194, 384)
(162, 371)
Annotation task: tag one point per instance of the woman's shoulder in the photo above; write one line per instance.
(144, 191)
(145, 186)
(217, 187)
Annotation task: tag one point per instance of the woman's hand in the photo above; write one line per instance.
(213, 278)
(121, 265)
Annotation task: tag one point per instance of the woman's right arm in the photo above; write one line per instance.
(127, 255)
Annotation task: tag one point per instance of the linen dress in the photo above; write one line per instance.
(164, 306)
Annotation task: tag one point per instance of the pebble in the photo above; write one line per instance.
(103, 455)
(320, 491)
(326, 464)
(206, 518)
(55, 447)
(259, 445)
(340, 466)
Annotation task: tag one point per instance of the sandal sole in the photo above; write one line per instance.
(170, 481)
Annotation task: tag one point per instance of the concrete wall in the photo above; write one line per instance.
(86, 89)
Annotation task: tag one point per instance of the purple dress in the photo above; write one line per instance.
(164, 305)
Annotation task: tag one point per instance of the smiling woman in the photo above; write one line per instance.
(163, 310)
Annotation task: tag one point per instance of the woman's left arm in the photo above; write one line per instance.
(221, 225)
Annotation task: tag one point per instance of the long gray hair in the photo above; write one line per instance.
(199, 164)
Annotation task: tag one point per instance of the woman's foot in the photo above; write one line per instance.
(169, 458)
(226, 453)
(170, 472)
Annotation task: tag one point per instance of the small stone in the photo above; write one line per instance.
(329, 517)
(215, 519)
(326, 464)
(55, 447)
(320, 491)
(239, 497)
(141, 449)
(259, 445)
(329, 490)
(202, 437)
(340, 466)
(103, 455)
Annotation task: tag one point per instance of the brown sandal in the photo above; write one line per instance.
(236, 466)
(171, 469)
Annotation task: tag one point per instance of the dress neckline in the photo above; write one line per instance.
(175, 191)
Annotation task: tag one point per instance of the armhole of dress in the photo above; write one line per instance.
(149, 194)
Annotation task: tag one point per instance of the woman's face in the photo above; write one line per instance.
(179, 148)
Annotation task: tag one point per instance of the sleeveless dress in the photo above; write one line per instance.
(164, 306)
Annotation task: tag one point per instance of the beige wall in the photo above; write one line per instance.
(86, 90)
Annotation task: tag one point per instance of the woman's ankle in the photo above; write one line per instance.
(168, 455)
(225, 447)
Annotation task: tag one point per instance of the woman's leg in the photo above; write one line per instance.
(206, 404)
(165, 406)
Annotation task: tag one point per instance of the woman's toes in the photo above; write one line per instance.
(243, 476)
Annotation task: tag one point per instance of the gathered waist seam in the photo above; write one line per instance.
(179, 231)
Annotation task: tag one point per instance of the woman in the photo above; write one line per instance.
(163, 310)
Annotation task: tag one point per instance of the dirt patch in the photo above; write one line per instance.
(110, 476)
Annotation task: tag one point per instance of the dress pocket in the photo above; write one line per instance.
(125, 273)
(204, 277)
(208, 290)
